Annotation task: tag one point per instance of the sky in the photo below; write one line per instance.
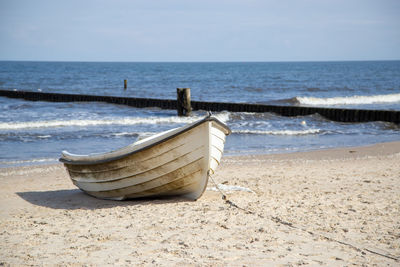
(203, 30)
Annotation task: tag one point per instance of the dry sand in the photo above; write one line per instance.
(336, 207)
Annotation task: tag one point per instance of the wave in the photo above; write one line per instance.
(83, 123)
(350, 100)
(279, 132)
(123, 134)
(223, 116)
(44, 136)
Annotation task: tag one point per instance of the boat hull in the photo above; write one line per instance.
(178, 164)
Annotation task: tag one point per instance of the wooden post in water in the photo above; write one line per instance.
(125, 84)
(183, 104)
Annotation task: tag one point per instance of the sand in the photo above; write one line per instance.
(336, 207)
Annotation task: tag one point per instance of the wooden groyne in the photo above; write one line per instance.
(335, 114)
(55, 97)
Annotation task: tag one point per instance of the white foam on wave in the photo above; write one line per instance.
(279, 132)
(222, 116)
(350, 100)
(83, 123)
(122, 134)
(44, 136)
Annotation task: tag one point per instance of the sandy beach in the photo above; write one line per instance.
(338, 207)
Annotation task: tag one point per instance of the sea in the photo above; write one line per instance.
(35, 132)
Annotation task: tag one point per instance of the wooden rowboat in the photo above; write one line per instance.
(175, 162)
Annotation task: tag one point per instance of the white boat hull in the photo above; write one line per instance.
(177, 162)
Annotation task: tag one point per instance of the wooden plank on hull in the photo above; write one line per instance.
(141, 178)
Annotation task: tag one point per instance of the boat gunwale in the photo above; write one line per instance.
(209, 118)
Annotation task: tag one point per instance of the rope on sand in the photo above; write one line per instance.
(278, 220)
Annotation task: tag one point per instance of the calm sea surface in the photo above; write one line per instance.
(34, 132)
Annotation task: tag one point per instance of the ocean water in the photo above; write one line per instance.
(37, 132)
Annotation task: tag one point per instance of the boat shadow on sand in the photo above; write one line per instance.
(72, 199)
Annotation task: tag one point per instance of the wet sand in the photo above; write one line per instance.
(337, 207)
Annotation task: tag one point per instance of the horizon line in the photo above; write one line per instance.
(211, 61)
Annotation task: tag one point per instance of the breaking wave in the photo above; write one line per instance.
(82, 123)
(279, 132)
(350, 100)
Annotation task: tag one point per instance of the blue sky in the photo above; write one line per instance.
(179, 30)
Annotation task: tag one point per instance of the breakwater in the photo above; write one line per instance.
(335, 114)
